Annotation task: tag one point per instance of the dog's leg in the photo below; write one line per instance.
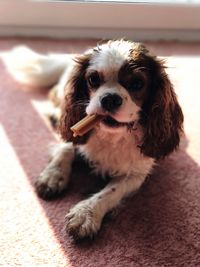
(54, 178)
(85, 218)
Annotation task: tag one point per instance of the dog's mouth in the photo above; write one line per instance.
(110, 122)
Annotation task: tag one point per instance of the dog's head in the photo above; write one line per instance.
(124, 82)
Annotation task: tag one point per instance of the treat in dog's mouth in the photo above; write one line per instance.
(86, 124)
(89, 122)
(111, 122)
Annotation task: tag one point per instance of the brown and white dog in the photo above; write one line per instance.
(143, 122)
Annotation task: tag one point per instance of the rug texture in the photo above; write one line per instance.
(160, 226)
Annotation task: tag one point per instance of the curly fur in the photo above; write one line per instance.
(76, 97)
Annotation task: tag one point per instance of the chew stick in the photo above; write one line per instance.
(86, 124)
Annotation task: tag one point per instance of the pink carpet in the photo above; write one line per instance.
(160, 226)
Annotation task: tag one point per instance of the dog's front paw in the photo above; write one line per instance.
(83, 221)
(50, 183)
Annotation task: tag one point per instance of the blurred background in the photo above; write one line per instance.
(138, 20)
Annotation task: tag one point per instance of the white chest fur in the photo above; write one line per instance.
(116, 154)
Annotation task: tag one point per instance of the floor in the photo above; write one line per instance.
(160, 226)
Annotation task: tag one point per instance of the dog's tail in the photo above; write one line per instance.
(33, 69)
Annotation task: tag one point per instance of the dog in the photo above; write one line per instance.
(142, 122)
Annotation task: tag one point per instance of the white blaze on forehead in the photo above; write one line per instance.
(111, 55)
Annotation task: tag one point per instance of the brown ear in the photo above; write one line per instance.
(76, 99)
(162, 117)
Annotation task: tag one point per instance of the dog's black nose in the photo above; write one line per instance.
(111, 102)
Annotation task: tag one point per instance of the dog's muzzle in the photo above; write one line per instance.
(111, 102)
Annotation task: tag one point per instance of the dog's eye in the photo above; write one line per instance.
(94, 79)
(137, 84)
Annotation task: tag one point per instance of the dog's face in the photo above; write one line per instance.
(122, 81)
(116, 86)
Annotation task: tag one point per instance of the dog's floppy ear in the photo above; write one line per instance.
(162, 117)
(76, 98)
